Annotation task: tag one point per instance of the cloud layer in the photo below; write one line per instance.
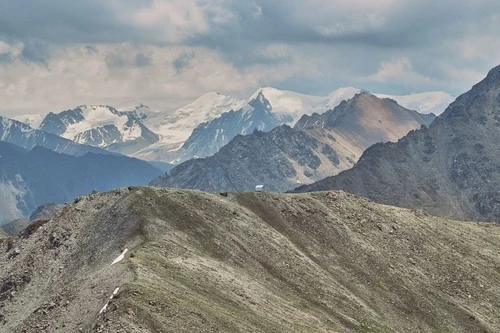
(55, 53)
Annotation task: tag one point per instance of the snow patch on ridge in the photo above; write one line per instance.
(99, 116)
(120, 257)
(110, 298)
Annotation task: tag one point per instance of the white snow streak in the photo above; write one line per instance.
(120, 257)
(110, 298)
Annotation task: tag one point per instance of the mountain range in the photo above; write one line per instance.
(101, 126)
(318, 146)
(451, 168)
(22, 135)
(179, 135)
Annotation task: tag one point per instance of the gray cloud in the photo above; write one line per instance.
(393, 46)
(142, 60)
(183, 61)
(36, 51)
(121, 59)
(91, 49)
(114, 60)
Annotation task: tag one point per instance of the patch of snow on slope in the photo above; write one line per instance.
(98, 116)
(140, 109)
(120, 257)
(94, 116)
(110, 298)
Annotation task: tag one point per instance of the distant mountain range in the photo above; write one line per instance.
(102, 126)
(318, 146)
(207, 138)
(182, 134)
(31, 178)
(22, 135)
(452, 168)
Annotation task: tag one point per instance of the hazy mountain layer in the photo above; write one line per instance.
(31, 178)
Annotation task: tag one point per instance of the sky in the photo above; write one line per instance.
(57, 54)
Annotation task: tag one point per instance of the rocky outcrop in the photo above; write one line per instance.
(452, 168)
(46, 212)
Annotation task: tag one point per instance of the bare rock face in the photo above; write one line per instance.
(160, 260)
(367, 119)
(318, 146)
(451, 168)
(277, 159)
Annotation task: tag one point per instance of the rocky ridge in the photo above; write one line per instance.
(187, 261)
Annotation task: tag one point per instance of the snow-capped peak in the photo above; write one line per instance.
(295, 105)
(212, 104)
(33, 120)
(427, 102)
(175, 127)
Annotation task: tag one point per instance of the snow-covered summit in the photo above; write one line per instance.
(174, 128)
(426, 102)
(33, 120)
(295, 105)
(101, 126)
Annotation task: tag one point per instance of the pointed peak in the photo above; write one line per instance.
(141, 105)
(260, 99)
(263, 91)
(363, 94)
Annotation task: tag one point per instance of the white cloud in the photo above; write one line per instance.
(8, 202)
(399, 71)
(175, 20)
(74, 76)
(165, 52)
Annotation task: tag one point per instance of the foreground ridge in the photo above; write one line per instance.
(260, 262)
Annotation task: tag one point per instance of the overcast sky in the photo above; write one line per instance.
(56, 54)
